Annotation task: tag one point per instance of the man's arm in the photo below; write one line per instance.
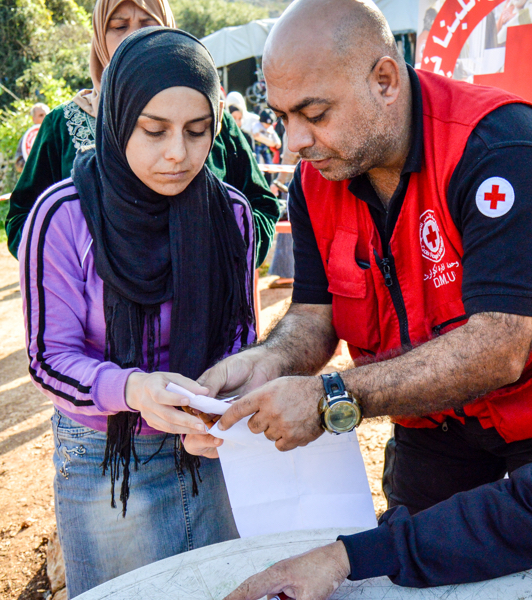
(490, 351)
(476, 535)
(301, 343)
(486, 353)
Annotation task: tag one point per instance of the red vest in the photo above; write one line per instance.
(427, 254)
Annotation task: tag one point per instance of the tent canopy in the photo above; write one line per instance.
(233, 44)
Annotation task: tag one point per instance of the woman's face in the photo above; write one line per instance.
(171, 140)
(126, 18)
(237, 116)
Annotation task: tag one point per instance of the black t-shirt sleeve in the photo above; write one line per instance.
(497, 257)
(310, 279)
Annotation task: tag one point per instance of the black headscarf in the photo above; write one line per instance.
(150, 248)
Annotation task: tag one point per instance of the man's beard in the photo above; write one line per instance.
(349, 162)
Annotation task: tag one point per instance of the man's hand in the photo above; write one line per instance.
(286, 410)
(302, 342)
(240, 373)
(314, 575)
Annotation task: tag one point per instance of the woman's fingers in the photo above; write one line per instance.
(162, 423)
(179, 418)
(189, 384)
(147, 393)
(203, 445)
(162, 396)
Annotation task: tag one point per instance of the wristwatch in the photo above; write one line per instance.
(339, 410)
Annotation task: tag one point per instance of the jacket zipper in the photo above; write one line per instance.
(387, 268)
(437, 328)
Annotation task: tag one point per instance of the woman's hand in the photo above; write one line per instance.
(147, 394)
(202, 445)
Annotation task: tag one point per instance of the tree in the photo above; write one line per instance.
(29, 34)
(203, 17)
(35, 67)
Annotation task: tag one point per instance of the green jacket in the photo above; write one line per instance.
(67, 128)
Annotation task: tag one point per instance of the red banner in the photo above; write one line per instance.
(452, 27)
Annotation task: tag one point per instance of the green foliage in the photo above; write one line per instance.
(15, 120)
(4, 207)
(203, 17)
(20, 22)
(39, 39)
(45, 49)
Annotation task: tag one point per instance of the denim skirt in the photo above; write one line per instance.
(163, 517)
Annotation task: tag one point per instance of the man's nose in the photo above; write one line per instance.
(299, 137)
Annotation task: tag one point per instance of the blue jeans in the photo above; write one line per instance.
(162, 517)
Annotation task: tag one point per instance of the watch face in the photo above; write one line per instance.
(342, 417)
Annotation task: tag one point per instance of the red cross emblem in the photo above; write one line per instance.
(495, 197)
(432, 246)
(432, 236)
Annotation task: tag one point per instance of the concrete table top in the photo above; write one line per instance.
(212, 572)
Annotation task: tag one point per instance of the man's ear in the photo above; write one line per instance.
(220, 116)
(385, 80)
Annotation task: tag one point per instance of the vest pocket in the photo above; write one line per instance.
(355, 309)
(346, 277)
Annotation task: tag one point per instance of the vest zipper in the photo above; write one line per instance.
(387, 268)
(437, 328)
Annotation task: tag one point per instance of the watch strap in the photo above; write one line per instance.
(333, 384)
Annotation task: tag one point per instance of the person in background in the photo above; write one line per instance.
(421, 42)
(265, 136)
(37, 112)
(283, 256)
(71, 127)
(237, 116)
(137, 272)
(514, 12)
(236, 113)
(236, 105)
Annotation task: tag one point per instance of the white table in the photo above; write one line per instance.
(211, 573)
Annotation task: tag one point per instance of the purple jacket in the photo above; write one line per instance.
(63, 309)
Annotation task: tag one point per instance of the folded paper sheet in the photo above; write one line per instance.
(320, 485)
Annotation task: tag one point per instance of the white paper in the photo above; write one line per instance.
(211, 406)
(323, 484)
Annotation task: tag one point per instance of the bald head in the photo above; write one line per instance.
(334, 75)
(352, 31)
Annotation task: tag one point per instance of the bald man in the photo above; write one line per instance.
(411, 216)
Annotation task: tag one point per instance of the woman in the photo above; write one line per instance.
(70, 127)
(140, 263)
(236, 105)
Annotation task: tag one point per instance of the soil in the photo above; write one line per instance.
(27, 517)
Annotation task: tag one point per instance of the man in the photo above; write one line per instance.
(411, 219)
(37, 112)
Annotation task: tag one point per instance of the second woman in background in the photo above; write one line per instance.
(70, 127)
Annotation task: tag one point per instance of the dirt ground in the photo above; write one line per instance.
(26, 475)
